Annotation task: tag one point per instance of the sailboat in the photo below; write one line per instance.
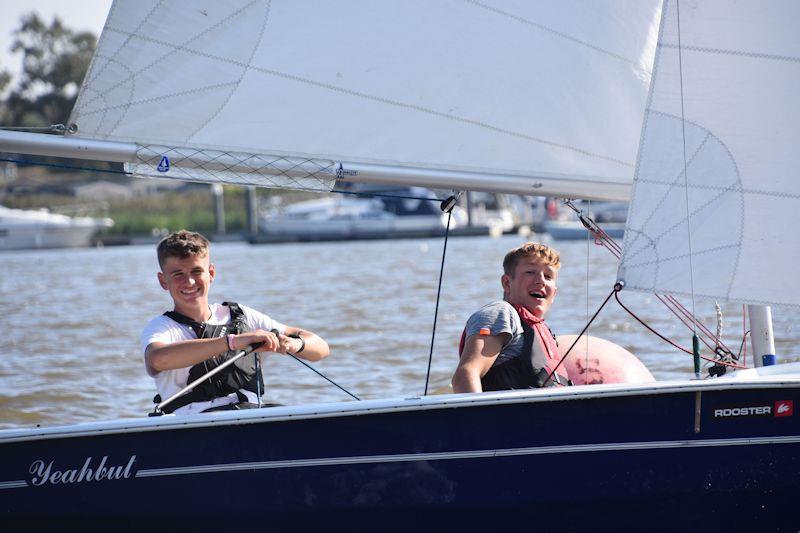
(688, 112)
(28, 229)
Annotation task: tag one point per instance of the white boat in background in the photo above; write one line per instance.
(374, 212)
(573, 230)
(609, 216)
(25, 229)
(395, 212)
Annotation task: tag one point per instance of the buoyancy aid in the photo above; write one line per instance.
(533, 365)
(241, 375)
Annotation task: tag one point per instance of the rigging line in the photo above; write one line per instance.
(323, 376)
(386, 195)
(665, 339)
(673, 305)
(687, 320)
(447, 205)
(617, 288)
(685, 165)
(588, 248)
(601, 237)
(689, 316)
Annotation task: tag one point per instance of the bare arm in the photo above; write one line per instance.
(161, 356)
(480, 353)
(315, 346)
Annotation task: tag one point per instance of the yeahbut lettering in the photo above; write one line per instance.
(43, 473)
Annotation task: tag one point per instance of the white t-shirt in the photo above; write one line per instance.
(164, 329)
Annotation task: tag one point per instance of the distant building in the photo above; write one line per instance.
(103, 191)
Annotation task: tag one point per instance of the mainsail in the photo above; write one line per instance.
(539, 98)
(716, 188)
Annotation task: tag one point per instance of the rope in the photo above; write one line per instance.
(588, 251)
(385, 195)
(685, 164)
(665, 339)
(711, 341)
(616, 288)
(323, 376)
(447, 205)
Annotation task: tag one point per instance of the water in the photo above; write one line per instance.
(71, 319)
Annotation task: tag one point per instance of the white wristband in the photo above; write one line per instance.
(231, 347)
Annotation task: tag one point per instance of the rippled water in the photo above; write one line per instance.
(71, 319)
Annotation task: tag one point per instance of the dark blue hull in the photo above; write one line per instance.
(591, 459)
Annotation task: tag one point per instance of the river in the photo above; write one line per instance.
(71, 318)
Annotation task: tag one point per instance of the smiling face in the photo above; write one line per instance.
(531, 285)
(188, 280)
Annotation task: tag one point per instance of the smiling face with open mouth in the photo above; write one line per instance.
(188, 281)
(532, 285)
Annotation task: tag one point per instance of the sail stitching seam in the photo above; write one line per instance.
(247, 67)
(174, 48)
(738, 53)
(557, 33)
(379, 99)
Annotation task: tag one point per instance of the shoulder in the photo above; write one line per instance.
(157, 323)
(162, 329)
(499, 308)
(498, 316)
(252, 314)
(258, 320)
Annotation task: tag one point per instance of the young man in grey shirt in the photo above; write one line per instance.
(494, 338)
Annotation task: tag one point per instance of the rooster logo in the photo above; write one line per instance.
(784, 408)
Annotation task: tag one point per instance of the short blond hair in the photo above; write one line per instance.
(546, 254)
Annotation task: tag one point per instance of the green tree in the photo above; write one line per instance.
(54, 61)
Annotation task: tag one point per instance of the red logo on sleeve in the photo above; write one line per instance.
(784, 408)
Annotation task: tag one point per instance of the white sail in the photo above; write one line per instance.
(531, 92)
(730, 91)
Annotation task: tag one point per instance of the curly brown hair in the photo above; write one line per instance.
(182, 244)
(547, 255)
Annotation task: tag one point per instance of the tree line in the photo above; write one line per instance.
(54, 61)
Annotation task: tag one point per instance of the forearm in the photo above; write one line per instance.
(183, 354)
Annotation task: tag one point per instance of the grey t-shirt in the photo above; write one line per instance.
(499, 317)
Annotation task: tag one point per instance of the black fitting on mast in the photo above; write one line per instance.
(450, 202)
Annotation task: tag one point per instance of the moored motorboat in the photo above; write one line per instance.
(26, 229)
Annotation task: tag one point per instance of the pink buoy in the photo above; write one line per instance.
(606, 362)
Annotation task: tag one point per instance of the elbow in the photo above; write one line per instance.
(321, 353)
(466, 380)
(156, 365)
(155, 362)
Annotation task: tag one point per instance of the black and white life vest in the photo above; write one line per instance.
(239, 376)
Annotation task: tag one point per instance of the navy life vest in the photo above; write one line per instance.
(241, 375)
